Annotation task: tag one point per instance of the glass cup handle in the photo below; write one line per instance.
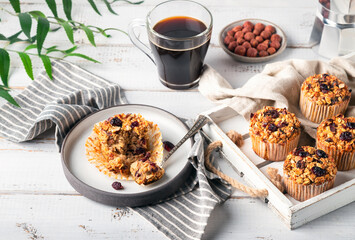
(135, 40)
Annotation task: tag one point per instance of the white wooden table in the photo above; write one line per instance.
(37, 202)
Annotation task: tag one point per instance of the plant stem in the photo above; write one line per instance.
(34, 54)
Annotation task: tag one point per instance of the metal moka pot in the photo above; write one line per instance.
(333, 32)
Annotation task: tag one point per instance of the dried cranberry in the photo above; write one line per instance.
(318, 171)
(297, 151)
(301, 164)
(137, 174)
(117, 185)
(116, 122)
(272, 127)
(309, 86)
(333, 128)
(251, 115)
(350, 90)
(264, 125)
(324, 88)
(316, 160)
(146, 157)
(329, 140)
(282, 124)
(346, 136)
(134, 124)
(272, 113)
(350, 125)
(139, 151)
(168, 146)
(325, 76)
(321, 153)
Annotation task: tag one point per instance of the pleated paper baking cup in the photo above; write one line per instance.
(344, 160)
(317, 113)
(100, 161)
(302, 192)
(273, 151)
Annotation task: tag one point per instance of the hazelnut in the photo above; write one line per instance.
(232, 45)
(256, 32)
(275, 45)
(238, 34)
(240, 41)
(252, 52)
(271, 50)
(265, 34)
(246, 45)
(247, 29)
(263, 53)
(261, 47)
(259, 39)
(266, 42)
(240, 50)
(275, 38)
(259, 27)
(237, 28)
(230, 33)
(248, 24)
(228, 40)
(249, 36)
(254, 43)
(270, 29)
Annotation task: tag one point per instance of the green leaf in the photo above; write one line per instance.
(52, 49)
(37, 14)
(47, 65)
(2, 37)
(4, 66)
(27, 63)
(93, 5)
(108, 5)
(130, 2)
(53, 7)
(42, 30)
(32, 46)
(89, 34)
(26, 23)
(67, 6)
(16, 5)
(68, 30)
(81, 56)
(70, 50)
(5, 94)
(14, 36)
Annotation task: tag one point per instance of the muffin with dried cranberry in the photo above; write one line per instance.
(336, 136)
(274, 132)
(323, 96)
(308, 172)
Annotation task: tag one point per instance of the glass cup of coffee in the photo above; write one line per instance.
(179, 33)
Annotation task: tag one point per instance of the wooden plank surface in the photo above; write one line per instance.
(36, 201)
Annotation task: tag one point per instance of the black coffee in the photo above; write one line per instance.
(178, 69)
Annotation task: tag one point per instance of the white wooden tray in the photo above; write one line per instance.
(253, 169)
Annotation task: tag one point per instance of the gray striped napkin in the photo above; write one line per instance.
(74, 93)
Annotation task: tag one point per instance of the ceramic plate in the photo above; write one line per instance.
(246, 59)
(87, 180)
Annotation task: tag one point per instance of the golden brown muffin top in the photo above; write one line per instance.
(325, 89)
(338, 132)
(274, 125)
(307, 165)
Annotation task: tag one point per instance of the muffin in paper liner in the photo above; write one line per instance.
(323, 96)
(308, 172)
(274, 132)
(336, 136)
(121, 140)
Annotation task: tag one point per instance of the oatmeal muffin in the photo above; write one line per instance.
(274, 133)
(308, 172)
(323, 96)
(336, 136)
(146, 172)
(121, 140)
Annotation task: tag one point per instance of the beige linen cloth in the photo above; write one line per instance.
(277, 85)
